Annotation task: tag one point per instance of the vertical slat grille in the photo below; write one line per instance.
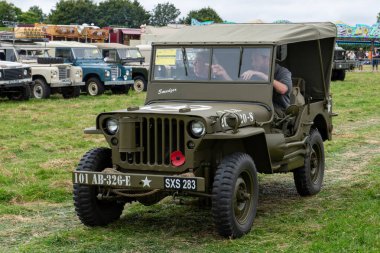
(62, 73)
(114, 73)
(156, 139)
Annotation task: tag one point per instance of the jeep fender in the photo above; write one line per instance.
(253, 142)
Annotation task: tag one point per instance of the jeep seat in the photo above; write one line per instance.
(296, 95)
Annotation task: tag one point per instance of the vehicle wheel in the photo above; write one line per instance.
(90, 210)
(334, 75)
(22, 94)
(40, 89)
(342, 75)
(94, 87)
(235, 195)
(50, 60)
(308, 179)
(120, 89)
(70, 92)
(140, 84)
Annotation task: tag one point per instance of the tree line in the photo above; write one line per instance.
(125, 13)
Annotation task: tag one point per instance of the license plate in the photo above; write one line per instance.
(101, 179)
(174, 183)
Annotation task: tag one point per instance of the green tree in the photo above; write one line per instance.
(122, 13)
(33, 15)
(204, 14)
(8, 12)
(163, 14)
(74, 12)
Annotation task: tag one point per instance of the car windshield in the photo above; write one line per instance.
(129, 53)
(87, 53)
(243, 64)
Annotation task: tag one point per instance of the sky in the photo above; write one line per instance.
(240, 11)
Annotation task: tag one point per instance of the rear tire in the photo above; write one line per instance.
(235, 195)
(90, 210)
(308, 179)
(40, 89)
(94, 87)
(120, 89)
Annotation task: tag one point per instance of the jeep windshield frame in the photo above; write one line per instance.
(216, 64)
(84, 53)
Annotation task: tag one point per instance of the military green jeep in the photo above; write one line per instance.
(202, 134)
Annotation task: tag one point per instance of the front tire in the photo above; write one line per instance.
(90, 210)
(94, 87)
(308, 179)
(40, 89)
(22, 94)
(140, 84)
(235, 195)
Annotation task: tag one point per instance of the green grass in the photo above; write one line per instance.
(41, 142)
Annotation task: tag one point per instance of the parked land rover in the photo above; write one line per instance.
(128, 56)
(341, 64)
(208, 137)
(50, 75)
(97, 74)
(15, 80)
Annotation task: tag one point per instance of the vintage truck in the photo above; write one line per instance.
(98, 75)
(15, 80)
(50, 75)
(207, 135)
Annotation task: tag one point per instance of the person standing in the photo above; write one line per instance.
(361, 57)
(375, 60)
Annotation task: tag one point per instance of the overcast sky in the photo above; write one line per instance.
(351, 12)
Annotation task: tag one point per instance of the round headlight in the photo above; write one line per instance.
(197, 128)
(77, 74)
(127, 72)
(112, 125)
(107, 73)
(25, 72)
(125, 77)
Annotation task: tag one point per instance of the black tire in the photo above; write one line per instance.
(40, 89)
(22, 94)
(140, 84)
(120, 89)
(342, 75)
(334, 75)
(90, 210)
(70, 92)
(235, 195)
(308, 179)
(50, 60)
(94, 87)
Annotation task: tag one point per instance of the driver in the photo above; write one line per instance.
(282, 84)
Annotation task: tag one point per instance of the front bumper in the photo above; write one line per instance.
(16, 82)
(115, 179)
(118, 82)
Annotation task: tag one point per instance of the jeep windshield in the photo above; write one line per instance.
(127, 53)
(32, 54)
(87, 53)
(222, 64)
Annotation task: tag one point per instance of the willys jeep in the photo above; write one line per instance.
(208, 137)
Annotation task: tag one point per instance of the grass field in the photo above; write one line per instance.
(41, 142)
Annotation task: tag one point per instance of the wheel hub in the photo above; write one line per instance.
(92, 89)
(37, 91)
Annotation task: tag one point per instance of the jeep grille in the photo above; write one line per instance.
(156, 138)
(63, 73)
(12, 74)
(114, 72)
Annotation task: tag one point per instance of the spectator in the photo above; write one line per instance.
(375, 60)
(361, 57)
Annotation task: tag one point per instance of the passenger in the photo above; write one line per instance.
(201, 65)
(106, 56)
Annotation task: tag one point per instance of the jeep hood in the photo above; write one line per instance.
(251, 111)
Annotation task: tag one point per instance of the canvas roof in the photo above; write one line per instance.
(251, 33)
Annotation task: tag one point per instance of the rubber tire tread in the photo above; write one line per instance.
(143, 80)
(100, 85)
(46, 89)
(222, 195)
(301, 175)
(86, 203)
